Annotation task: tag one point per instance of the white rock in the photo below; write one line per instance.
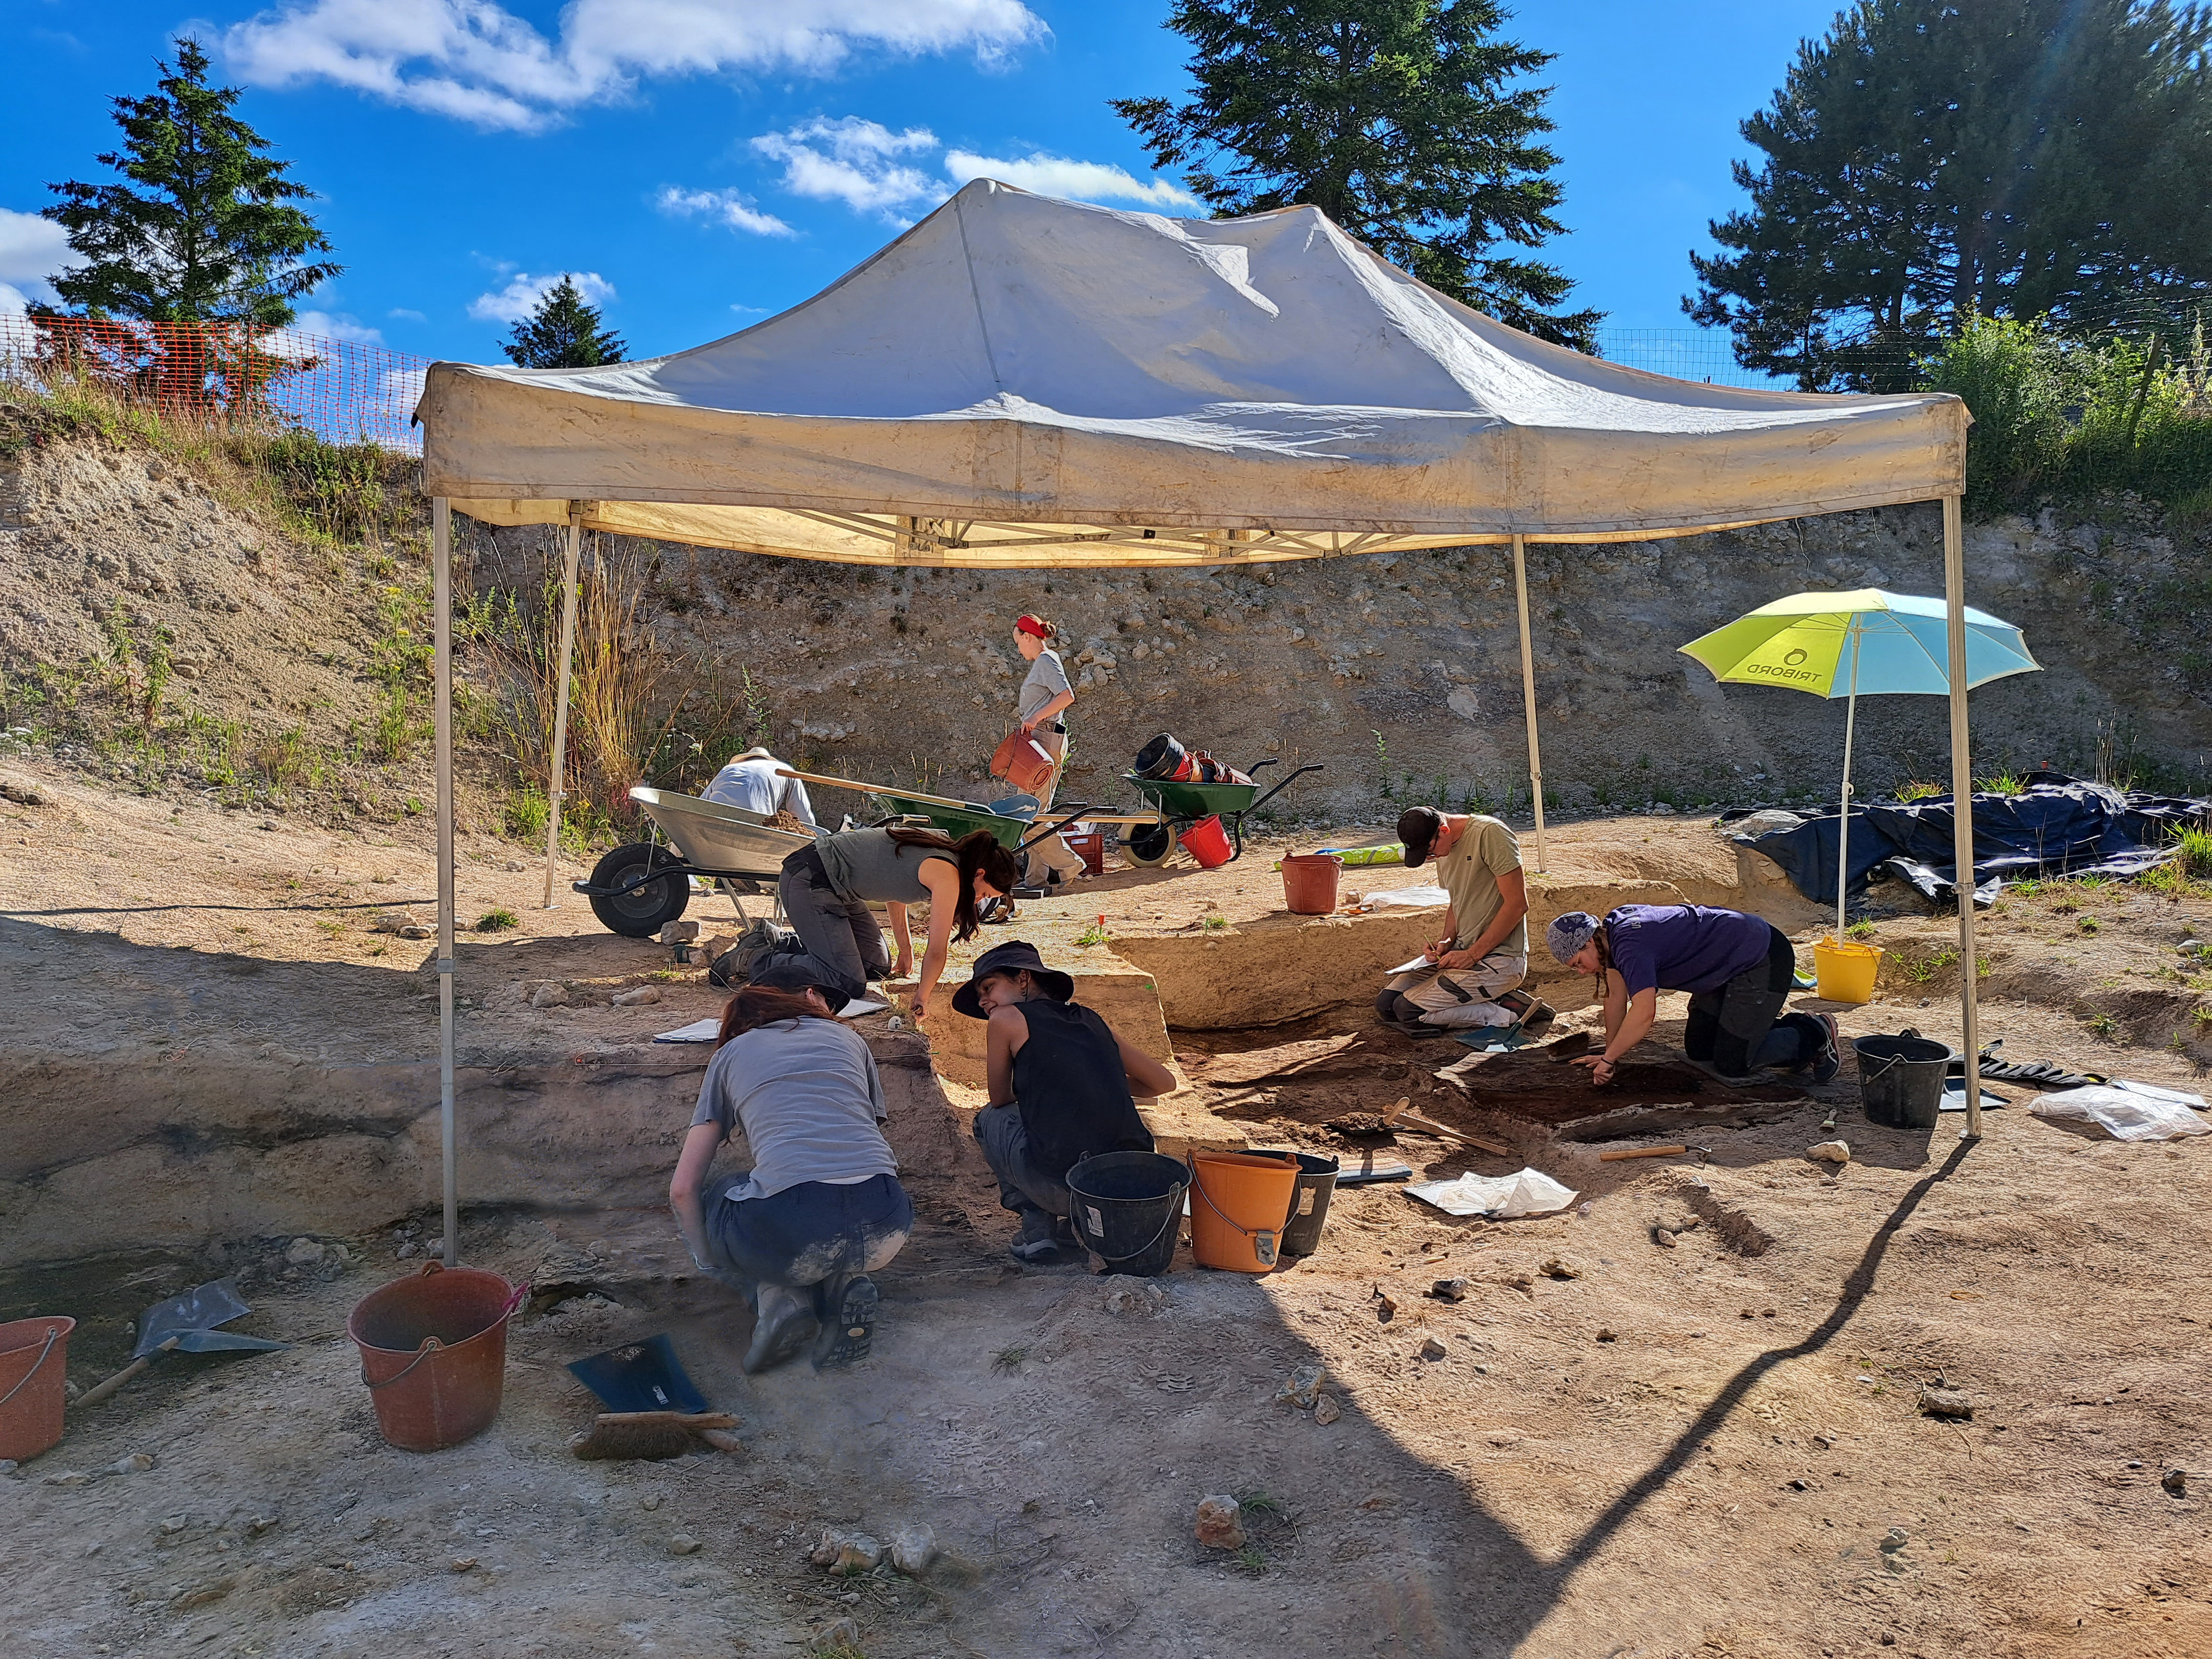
(392, 921)
(914, 1550)
(304, 1253)
(548, 995)
(136, 1464)
(636, 996)
(1829, 1151)
(417, 930)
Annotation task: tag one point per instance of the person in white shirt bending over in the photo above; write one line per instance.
(750, 783)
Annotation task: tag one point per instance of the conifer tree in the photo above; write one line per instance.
(1929, 161)
(204, 228)
(563, 332)
(1408, 122)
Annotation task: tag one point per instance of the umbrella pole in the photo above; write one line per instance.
(441, 601)
(1528, 694)
(1962, 803)
(554, 792)
(1844, 822)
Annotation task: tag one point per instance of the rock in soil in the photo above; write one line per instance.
(914, 1550)
(393, 921)
(2175, 1481)
(637, 997)
(1432, 1349)
(1448, 1290)
(136, 1464)
(1327, 1411)
(846, 1552)
(1663, 1238)
(22, 790)
(682, 1544)
(1558, 1268)
(1220, 1522)
(549, 996)
(1829, 1151)
(1945, 1402)
(1302, 1386)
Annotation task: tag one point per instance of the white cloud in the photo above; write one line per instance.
(31, 249)
(336, 325)
(476, 61)
(520, 296)
(1057, 175)
(728, 206)
(13, 302)
(854, 162)
(403, 314)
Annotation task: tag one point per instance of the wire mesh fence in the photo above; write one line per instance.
(345, 391)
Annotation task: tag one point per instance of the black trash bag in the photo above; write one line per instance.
(2057, 826)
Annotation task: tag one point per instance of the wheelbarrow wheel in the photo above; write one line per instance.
(644, 910)
(1148, 845)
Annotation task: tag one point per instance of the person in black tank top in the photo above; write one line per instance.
(1063, 1087)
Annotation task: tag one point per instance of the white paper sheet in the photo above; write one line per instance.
(706, 1030)
(1408, 898)
(1500, 1197)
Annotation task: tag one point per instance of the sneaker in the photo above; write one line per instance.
(1830, 1060)
(787, 1323)
(1047, 1241)
(848, 1320)
(1534, 1015)
(754, 947)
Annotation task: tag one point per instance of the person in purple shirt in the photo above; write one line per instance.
(1738, 969)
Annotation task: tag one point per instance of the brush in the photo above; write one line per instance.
(655, 1437)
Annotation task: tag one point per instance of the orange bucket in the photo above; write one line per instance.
(1208, 843)
(433, 1353)
(1238, 1207)
(33, 1358)
(1310, 883)
(1091, 847)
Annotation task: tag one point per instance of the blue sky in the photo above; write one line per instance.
(708, 162)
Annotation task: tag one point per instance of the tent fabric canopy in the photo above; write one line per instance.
(1023, 382)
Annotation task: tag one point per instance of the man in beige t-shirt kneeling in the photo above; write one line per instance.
(1483, 955)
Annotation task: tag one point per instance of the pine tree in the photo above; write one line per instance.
(204, 229)
(1401, 120)
(564, 332)
(1933, 160)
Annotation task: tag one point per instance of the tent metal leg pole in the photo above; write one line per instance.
(441, 601)
(1528, 694)
(1962, 803)
(555, 793)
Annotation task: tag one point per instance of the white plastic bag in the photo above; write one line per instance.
(2126, 1111)
(1411, 898)
(1499, 1197)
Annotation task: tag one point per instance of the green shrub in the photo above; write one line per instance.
(498, 921)
(2010, 374)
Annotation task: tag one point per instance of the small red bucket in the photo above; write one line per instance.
(433, 1353)
(1091, 847)
(1208, 843)
(1310, 883)
(34, 1359)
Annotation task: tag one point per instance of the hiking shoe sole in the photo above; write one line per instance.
(852, 1330)
(1830, 1060)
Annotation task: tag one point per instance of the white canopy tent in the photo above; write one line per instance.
(1018, 382)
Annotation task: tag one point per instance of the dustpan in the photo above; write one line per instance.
(190, 1317)
(639, 1376)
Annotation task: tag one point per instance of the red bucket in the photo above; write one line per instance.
(1208, 843)
(1091, 847)
(33, 1358)
(433, 1353)
(1310, 883)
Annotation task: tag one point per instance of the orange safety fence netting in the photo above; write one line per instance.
(346, 391)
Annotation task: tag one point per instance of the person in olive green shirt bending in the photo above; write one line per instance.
(1474, 969)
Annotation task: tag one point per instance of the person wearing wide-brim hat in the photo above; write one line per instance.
(1063, 1087)
(821, 1208)
(753, 782)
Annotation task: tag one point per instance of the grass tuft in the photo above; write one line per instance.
(500, 921)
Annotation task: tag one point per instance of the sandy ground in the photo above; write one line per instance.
(1711, 1449)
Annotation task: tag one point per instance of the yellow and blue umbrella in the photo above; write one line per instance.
(1838, 645)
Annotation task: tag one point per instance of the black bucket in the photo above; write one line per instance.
(1128, 1209)
(1901, 1079)
(1160, 759)
(1308, 1200)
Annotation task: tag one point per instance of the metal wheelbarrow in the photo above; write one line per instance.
(641, 886)
(1182, 805)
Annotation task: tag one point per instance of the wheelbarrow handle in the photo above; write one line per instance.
(1051, 829)
(1285, 783)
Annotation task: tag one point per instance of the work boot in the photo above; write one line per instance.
(787, 1323)
(847, 1319)
(1047, 1241)
(1830, 1059)
(1532, 1014)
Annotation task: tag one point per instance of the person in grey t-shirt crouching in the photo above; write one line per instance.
(821, 1208)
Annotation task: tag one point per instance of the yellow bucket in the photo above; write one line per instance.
(1845, 971)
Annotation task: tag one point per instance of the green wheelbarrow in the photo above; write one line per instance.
(1183, 805)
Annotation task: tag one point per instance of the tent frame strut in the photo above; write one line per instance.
(556, 791)
(1962, 803)
(441, 600)
(1528, 695)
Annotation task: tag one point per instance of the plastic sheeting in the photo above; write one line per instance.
(2058, 825)
(1020, 382)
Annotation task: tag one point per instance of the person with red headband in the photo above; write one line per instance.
(1046, 697)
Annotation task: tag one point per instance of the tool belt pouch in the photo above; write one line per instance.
(1022, 760)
